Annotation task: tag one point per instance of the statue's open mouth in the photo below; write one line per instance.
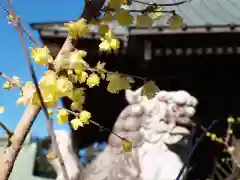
(185, 123)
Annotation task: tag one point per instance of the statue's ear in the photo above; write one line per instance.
(129, 95)
(133, 97)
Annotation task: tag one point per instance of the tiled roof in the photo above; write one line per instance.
(200, 12)
(196, 14)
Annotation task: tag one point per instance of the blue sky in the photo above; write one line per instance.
(13, 62)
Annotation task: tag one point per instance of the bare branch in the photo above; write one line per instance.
(6, 77)
(8, 132)
(17, 140)
(159, 4)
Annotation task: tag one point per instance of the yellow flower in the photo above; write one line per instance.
(62, 116)
(50, 99)
(72, 29)
(104, 46)
(78, 72)
(85, 117)
(41, 55)
(213, 137)
(93, 80)
(12, 83)
(77, 29)
(82, 76)
(100, 66)
(6, 85)
(49, 81)
(77, 94)
(230, 120)
(76, 123)
(107, 45)
(48, 86)
(1, 109)
(77, 105)
(64, 86)
(11, 18)
(76, 60)
(109, 42)
(101, 69)
(115, 44)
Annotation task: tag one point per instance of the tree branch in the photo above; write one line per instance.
(17, 140)
(8, 132)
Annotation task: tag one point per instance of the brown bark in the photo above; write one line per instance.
(17, 140)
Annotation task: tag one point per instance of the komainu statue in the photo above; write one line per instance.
(159, 129)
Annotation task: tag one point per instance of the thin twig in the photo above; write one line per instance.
(137, 10)
(29, 35)
(19, 24)
(95, 123)
(159, 4)
(6, 77)
(124, 74)
(8, 132)
(106, 129)
(5, 9)
(44, 108)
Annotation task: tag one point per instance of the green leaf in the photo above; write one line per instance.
(149, 89)
(126, 145)
(175, 22)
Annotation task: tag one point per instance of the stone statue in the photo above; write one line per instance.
(166, 135)
(159, 130)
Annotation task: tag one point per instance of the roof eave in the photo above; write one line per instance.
(57, 29)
